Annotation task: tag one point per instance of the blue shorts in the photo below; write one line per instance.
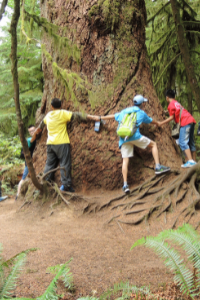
(25, 173)
(186, 137)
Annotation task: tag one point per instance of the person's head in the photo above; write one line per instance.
(55, 103)
(138, 100)
(31, 129)
(170, 95)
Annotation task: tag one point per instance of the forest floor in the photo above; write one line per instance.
(100, 250)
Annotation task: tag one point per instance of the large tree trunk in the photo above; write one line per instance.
(111, 36)
(13, 31)
(183, 45)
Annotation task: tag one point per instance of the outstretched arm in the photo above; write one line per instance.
(83, 117)
(109, 117)
(154, 122)
(34, 136)
(166, 121)
(38, 129)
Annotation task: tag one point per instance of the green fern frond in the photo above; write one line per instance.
(126, 289)
(50, 292)
(183, 276)
(140, 242)
(2, 276)
(10, 261)
(67, 277)
(10, 281)
(190, 231)
(189, 240)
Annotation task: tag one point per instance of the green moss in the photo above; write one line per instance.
(109, 10)
(93, 11)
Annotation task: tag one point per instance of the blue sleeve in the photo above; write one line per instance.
(117, 117)
(146, 118)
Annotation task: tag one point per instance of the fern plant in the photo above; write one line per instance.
(124, 289)
(9, 272)
(189, 240)
(8, 281)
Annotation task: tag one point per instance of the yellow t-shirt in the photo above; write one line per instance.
(57, 128)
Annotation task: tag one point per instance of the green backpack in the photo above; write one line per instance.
(127, 126)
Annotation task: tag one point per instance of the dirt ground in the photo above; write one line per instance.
(100, 251)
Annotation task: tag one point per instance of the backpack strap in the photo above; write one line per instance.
(181, 109)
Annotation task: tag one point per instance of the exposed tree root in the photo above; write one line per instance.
(159, 196)
(26, 202)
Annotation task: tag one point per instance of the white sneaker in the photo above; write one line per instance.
(189, 164)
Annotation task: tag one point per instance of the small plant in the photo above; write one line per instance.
(188, 239)
(10, 270)
(125, 290)
(10, 149)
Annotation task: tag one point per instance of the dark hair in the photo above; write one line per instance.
(56, 103)
(31, 126)
(170, 94)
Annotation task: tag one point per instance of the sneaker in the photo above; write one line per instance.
(16, 197)
(125, 189)
(70, 189)
(188, 164)
(3, 198)
(62, 188)
(161, 170)
(67, 189)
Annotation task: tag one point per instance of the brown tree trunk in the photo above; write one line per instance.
(183, 45)
(111, 36)
(13, 31)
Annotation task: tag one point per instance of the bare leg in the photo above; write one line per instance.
(19, 187)
(154, 148)
(125, 168)
(193, 155)
(188, 154)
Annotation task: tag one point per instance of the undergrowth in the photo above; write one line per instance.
(188, 239)
(184, 237)
(11, 269)
(10, 149)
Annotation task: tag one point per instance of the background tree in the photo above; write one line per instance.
(30, 74)
(168, 67)
(14, 70)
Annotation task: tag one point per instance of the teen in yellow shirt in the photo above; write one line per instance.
(58, 144)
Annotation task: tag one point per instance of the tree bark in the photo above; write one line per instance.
(183, 45)
(13, 32)
(111, 36)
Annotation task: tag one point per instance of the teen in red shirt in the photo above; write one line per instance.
(187, 122)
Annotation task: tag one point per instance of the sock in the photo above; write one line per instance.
(125, 183)
(157, 166)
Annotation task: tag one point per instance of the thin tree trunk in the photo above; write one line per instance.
(183, 45)
(13, 32)
(2, 9)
